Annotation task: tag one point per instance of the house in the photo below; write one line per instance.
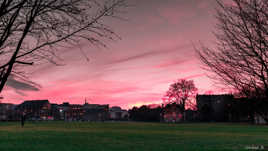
(7, 111)
(95, 112)
(75, 112)
(71, 112)
(63, 109)
(36, 109)
(116, 113)
(55, 112)
(214, 107)
(172, 113)
(85, 112)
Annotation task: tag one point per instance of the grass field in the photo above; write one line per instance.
(108, 136)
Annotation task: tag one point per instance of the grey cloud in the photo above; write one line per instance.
(149, 54)
(22, 85)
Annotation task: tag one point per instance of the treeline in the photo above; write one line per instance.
(145, 113)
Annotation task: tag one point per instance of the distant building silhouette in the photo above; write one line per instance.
(74, 112)
(36, 109)
(214, 107)
(116, 113)
(6, 112)
(210, 108)
(95, 112)
(172, 113)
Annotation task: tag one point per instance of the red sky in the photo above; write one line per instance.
(155, 50)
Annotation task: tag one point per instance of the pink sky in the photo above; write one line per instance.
(156, 49)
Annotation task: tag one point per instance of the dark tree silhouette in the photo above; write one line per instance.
(144, 113)
(182, 93)
(33, 30)
(240, 59)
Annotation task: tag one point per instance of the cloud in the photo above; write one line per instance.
(150, 54)
(156, 49)
(171, 63)
(22, 85)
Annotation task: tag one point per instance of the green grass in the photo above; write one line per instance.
(108, 136)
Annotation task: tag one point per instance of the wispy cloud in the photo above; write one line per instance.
(171, 63)
(22, 85)
(155, 51)
(151, 53)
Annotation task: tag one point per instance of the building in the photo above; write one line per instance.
(85, 112)
(44, 110)
(55, 112)
(36, 109)
(75, 112)
(63, 109)
(7, 111)
(95, 112)
(71, 112)
(172, 114)
(116, 113)
(214, 107)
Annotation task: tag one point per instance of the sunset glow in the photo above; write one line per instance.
(156, 49)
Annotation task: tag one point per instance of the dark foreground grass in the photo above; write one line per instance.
(129, 136)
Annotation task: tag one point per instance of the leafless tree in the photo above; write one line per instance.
(182, 92)
(31, 30)
(240, 58)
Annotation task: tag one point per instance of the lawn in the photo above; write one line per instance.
(129, 136)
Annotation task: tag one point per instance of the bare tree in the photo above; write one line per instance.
(31, 30)
(240, 59)
(182, 93)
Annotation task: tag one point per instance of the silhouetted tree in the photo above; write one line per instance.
(31, 30)
(240, 59)
(182, 93)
